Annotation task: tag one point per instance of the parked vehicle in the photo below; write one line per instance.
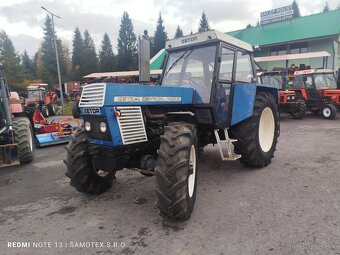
(207, 95)
(288, 103)
(317, 89)
(16, 132)
(39, 97)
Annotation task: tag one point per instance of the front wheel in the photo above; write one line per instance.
(176, 171)
(257, 136)
(23, 135)
(300, 112)
(85, 177)
(328, 111)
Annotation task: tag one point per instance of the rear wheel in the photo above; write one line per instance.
(85, 177)
(300, 112)
(257, 136)
(23, 136)
(328, 111)
(176, 171)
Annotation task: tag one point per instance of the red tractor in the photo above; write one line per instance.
(287, 99)
(317, 89)
(39, 97)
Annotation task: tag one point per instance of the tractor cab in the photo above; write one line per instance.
(39, 98)
(277, 78)
(318, 88)
(36, 93)
(213, 64)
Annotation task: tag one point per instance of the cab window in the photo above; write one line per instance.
(244, 71)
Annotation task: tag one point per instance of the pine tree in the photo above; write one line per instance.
(296, 10)
(28, 67)
(11, 61)
(326, 8)
(160, 36)
(49, 72)
(77, 54)
(249, 26)
(106, 56)
(179, 32)
(127, 49)
(89, 58)
(204, 24)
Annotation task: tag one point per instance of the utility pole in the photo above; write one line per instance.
(57, 58)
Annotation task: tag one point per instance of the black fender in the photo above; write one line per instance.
(189, 117)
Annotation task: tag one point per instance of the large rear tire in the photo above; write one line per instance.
(257, 136)
(301, 109)
(23, 136)
(80, 168)
(176, 171)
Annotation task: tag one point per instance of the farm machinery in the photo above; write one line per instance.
(207, 95)
(316, 90)
(39, 97)
(288, 102)
(16, 132)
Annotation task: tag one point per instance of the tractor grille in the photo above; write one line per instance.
(93, 95)
(131, 125)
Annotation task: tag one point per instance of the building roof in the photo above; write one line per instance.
(306, 27)
(157, 60)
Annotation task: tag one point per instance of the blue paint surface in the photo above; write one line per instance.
(243, 102)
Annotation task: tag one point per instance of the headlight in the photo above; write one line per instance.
(293, 97)
(87, 126)
(288, 97)
(102, 127)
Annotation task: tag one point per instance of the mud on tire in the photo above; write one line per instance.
(23, 135)
(256, 140)
(176, 171)
(80, 169)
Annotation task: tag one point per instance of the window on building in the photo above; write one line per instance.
(278, 50)
(299, 48)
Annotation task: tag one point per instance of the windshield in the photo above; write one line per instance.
(33, 94)
(275, 80)
(191, 68)
(325, 81)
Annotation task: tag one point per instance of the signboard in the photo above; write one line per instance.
(276, 15)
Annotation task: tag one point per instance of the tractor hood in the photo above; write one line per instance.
(109, 94)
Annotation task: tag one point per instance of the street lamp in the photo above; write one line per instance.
(57, 57)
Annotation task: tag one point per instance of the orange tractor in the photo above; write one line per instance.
(287, 99)
(39, 97)
(317, 90)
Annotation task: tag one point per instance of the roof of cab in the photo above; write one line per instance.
(208, 36)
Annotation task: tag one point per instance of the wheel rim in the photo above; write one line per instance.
(266, 129)
(326, 112)
(192, 176)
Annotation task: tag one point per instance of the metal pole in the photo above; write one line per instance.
(57, 58)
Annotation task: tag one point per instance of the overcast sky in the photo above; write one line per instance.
(22, 20)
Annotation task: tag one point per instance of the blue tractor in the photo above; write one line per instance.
(207, 95)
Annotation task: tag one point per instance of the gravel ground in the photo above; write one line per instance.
(290, 207)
